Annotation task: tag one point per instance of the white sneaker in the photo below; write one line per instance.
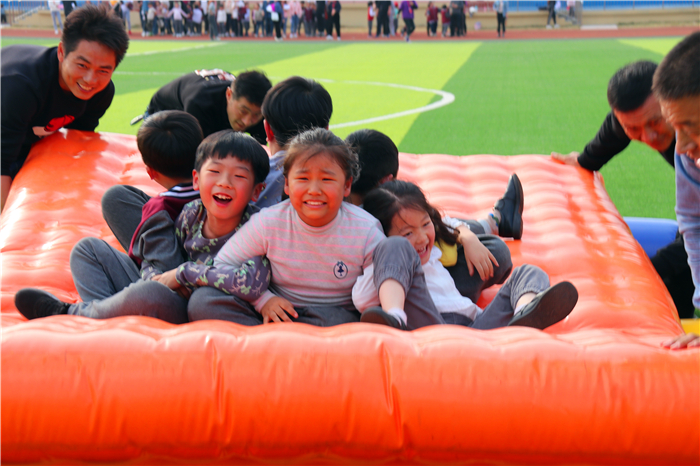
(338, 38)
(329, 37)
(549, 27)
(556, 26)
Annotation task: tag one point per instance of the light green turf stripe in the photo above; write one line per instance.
(397, 63)
(124, 108)
(138, 48)
(661, 45)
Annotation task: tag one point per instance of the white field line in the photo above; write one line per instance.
(447, 99)
(150, 73)
(183, 49)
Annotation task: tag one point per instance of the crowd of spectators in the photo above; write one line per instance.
(235, 18)
(281, 19)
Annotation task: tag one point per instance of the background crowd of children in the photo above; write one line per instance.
(236, 18)
(283, 19)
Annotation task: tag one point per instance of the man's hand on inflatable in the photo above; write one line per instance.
(567, 159)
(689, 340)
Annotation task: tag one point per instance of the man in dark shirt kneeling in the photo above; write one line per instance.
(217, 99)
(636, 115)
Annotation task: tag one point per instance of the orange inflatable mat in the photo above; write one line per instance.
(596, 388)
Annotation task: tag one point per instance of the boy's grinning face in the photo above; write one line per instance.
(316, 187)
(226, 186)
(417, 227)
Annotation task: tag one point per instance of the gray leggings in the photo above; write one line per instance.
(210, 303)
(527, 278)
(395, 258)
(109, 284)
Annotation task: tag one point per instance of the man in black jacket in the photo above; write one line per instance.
(217, 99)
(46, 89)
(636, 115)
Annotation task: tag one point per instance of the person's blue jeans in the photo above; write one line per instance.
(56, 18)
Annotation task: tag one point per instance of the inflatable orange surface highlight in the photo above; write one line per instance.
(594, 389)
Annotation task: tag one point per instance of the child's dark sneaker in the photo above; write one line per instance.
(33, 304)
(510, 206)
(376, 315)
(548, 307)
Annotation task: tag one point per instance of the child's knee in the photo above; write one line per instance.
(87, 249)
(395, 248)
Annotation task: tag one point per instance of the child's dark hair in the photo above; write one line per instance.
(387, 201)
(229, 143)
(321, 141)
(253, 85)
(94, 23)
(295, 105)
(378, 158)
(168, 142)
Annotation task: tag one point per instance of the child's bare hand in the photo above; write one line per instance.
(168, 279)
(276, 310)
(478, 257)
(567, 159)
(690, 340)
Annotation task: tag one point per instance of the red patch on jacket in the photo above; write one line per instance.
(58, 123)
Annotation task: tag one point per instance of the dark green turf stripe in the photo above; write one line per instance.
(541, 96)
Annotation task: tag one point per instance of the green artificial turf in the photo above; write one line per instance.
(511, 97)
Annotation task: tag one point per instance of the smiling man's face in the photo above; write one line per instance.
(86, 70)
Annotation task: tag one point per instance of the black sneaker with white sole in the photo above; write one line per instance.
(548, 307)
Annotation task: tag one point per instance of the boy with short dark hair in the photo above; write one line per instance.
(230, 167)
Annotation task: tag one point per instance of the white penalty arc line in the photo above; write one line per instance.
(447, 99)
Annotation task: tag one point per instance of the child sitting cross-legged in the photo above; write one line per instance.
(526, 298)
(229, 170)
